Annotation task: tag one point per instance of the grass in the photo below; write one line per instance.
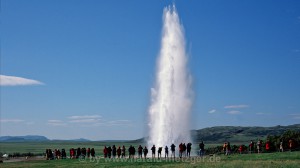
(40, 147)
(285, 159)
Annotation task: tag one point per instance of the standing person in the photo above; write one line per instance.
(268, 146)
(93, 152)
(224, 147)
(241, 149)
(133, 151)
(47, 154)
(71, 153)
(130, 151)
(291, 144)
(58, 154)
(114, 151)
(258, 146)
(184, 149)
(159, 152)
(153, 151)
(119, 152)
(166, 152)
(63, 154)
(88, 152)
(228, 148)
(123, 151)
(188, 149)
(109, 152)
(201, 151)
(180, 149)
(173, 150)
(140, 151)
(281, 146)
(83, 152)
(145, 150)
(105, 152)
(54, 154)
(251, 145)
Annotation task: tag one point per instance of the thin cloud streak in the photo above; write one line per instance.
(89, 120)
(85, 117)
(212, 111)
(56, 123)
(11, 120)
(236, 106)
(17, 81)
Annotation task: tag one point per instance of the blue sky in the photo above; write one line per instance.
(86, 67)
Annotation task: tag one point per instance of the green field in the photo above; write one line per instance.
(285, 159)
(40, 147)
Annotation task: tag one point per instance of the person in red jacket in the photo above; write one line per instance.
(241, 149)
(105, 152)
(180, 149)
(267, 146)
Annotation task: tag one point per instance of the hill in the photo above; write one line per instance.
(219, 134)
(23, 138)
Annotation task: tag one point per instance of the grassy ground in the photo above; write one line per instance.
(285, 159)
(40, 147)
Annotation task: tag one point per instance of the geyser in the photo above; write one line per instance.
(171, 100)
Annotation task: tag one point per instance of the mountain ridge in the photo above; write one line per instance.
(214, 134)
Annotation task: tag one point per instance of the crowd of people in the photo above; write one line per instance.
(113, 152)
(120, 152)
(183, 151)
(74, 153)
(258, 147)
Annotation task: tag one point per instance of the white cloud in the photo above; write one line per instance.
(85, 117)
(118, 123)
(236, 106)
(11, 120)
(212, 111)
(56, 123)
(234, 112)
(17, 81)
(97, 120)
(89, 120)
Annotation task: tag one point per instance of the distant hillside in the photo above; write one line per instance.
(23, 138)
(217, 134)
(220, 134)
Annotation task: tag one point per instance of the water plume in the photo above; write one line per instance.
(171, 100)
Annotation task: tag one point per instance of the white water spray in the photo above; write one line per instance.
(171, 100)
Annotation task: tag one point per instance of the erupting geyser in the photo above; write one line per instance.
(171, 100)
